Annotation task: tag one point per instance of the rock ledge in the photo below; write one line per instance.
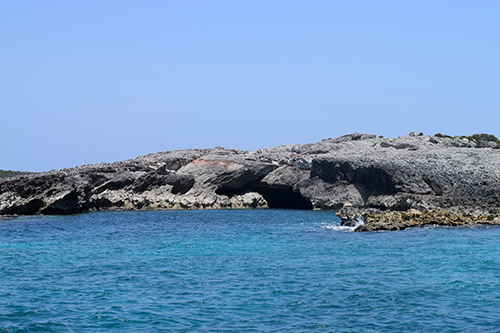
(392, 183)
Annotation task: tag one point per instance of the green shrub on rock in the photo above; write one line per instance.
(479, 140)
(10, 173)
(439, 135)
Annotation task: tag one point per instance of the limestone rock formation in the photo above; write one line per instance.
(358, 174)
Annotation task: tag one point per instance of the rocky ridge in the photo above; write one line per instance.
(392, 183)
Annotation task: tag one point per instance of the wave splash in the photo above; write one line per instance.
(359, 221)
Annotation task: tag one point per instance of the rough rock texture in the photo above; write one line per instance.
(393, 183)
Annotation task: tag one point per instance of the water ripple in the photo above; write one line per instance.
(252, 271)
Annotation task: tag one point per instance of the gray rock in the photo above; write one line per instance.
(362, 170)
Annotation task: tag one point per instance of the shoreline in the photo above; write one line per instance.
(376, 220)
(392, 183)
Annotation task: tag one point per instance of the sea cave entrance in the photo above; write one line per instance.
(277, 198)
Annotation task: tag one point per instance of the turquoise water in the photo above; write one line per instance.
(243, 271)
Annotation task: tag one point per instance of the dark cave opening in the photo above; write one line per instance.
(277, 198)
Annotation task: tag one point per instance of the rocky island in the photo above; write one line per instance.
(387, 183)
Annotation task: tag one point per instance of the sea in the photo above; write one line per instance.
(243, 271)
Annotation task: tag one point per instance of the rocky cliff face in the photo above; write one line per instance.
(358, 174)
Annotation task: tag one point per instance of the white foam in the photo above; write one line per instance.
(359, 221)
(338, 228)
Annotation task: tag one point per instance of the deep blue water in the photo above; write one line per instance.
(243, 271)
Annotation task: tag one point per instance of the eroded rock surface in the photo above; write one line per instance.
(358, 174)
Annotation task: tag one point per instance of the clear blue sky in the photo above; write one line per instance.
(100, 81)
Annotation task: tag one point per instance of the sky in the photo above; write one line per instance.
(83, 82)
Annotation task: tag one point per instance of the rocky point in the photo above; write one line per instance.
(390, 183)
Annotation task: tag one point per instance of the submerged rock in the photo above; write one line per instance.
(390, 183)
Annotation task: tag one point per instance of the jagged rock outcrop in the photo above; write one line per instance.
(358, 174)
